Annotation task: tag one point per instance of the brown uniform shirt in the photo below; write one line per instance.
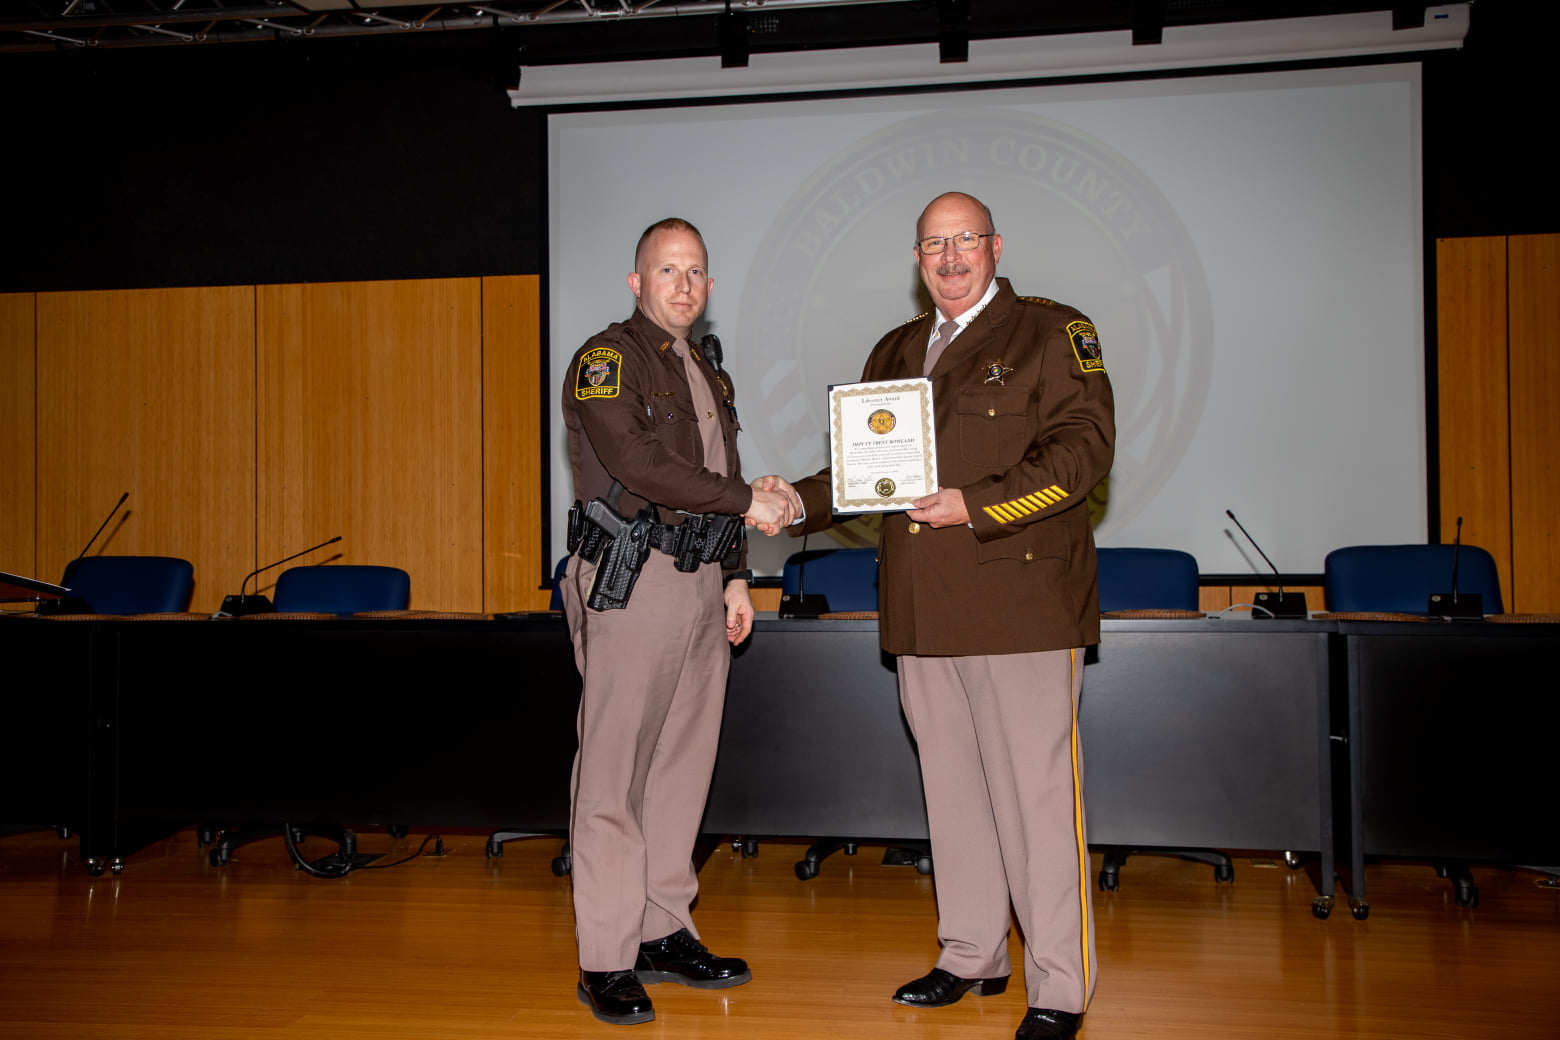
(1025, 423)
(629, 410)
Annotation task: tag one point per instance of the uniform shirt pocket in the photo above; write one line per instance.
(993, 423)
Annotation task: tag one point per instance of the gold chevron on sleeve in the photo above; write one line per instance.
(1018, 508)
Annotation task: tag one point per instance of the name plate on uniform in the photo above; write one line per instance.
(882, 445)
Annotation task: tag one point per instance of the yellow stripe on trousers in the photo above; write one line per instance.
(1083, 850)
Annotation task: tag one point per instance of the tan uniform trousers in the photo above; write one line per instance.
(1001, 766)
(654, 688)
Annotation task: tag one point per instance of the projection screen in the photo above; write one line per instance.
(1249, 246)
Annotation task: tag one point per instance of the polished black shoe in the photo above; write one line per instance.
(615, 997)
(1045, 1024)
(940, 988)
(683, 959)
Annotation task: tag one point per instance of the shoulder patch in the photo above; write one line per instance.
(600, 374)
(1086, 346)
(918, 317)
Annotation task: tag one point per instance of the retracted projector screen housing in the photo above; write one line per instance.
(1249, 246)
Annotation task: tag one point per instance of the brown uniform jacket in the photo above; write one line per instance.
(630, 415)
(1025, 447)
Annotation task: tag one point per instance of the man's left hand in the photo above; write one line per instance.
(739, 611)
(943, 508)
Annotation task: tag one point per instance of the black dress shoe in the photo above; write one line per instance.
(681, 958)
(940, 988)
(1045, 1024)
(615, 997)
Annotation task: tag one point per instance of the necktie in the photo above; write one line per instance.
(945, 333)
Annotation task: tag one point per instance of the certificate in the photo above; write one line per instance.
(882, 445)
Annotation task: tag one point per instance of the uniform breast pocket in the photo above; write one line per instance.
(993, 424)
(676, 423)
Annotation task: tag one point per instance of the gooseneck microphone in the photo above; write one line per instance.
(1449, 605)
(801, 605)
(1282, 604)
(99, 531)
(240, 605)
(75, 604)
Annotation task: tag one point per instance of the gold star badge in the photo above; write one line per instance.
(996, 371)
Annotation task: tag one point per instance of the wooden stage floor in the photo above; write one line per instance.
(463, 947)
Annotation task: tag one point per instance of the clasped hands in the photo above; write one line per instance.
(776, 505)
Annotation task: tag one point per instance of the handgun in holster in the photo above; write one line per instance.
(626, 547)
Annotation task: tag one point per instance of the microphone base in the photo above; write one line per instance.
(1280, 605)
(1466, 606)
(238, 606)
(802, 606)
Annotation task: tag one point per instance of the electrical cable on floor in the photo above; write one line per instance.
(345, 862)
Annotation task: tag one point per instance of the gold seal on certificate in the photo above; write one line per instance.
(882, 445)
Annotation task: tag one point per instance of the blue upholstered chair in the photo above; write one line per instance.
(556, 602)
(1150, 579)
(131, 584)
(848, 581)
(1401, 578)
(1147, 579)
(847, 578)
(323, 589)
(342, 589)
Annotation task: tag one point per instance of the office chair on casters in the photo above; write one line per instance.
(846, 581)
(563, 863)
(1400, 579)
(325, 589)
(131, 584)
(342, 589)
(1145, 582)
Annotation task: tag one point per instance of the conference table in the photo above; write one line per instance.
(1219, 733)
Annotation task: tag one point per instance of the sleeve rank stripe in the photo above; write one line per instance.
(1018, 508)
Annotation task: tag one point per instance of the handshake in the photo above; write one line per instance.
(776, 505)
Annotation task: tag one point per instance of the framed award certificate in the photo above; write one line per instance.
(882, 445)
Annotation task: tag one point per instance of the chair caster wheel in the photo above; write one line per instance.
(1321, 907)
(398, 830)
(1224, 872)
(562, 865)
(1109, 882)
(1360, 910)
(805, 870)
(923, 865)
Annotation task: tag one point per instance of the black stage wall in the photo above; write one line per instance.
(391, 157)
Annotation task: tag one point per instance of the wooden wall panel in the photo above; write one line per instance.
(1535, 423)
(512, 445)
(1473, 414)
(150, 392)
(18, 449)
(370, 427)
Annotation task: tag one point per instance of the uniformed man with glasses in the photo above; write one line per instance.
(987, 594)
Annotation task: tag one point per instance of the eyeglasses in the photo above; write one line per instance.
(964, 241)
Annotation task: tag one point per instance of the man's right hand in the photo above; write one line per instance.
(772, 510)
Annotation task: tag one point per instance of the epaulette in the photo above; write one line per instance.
(1039, 299)
(918, 317)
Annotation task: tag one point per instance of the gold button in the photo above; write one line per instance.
(1029, 555)
(914, 527)
(991, 412)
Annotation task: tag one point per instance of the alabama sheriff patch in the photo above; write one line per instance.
(1086, 345)
(600, 374)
